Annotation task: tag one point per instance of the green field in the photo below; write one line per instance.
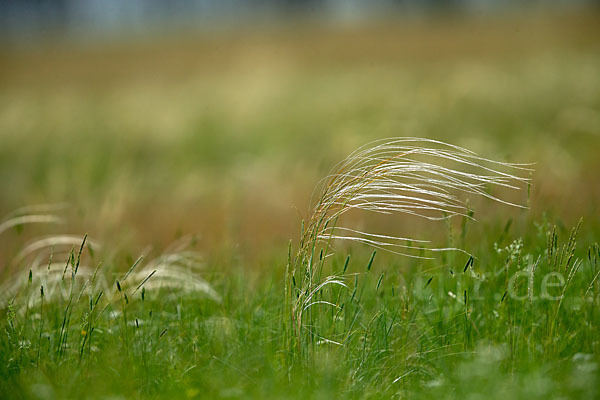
(200, 152)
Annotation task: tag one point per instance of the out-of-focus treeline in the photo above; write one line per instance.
(34, 19)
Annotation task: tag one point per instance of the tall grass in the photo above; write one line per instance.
(420, 177)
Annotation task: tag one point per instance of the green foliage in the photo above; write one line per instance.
(493, 325)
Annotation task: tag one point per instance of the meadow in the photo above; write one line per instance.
(155, 191)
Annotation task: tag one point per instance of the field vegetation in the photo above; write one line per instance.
(166, 231)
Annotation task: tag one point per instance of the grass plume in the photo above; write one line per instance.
(420, 177)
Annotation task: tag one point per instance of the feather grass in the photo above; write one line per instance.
(420, 177)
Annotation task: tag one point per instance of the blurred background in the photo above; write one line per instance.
(153, 119)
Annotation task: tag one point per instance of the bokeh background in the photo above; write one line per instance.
(154, 119)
